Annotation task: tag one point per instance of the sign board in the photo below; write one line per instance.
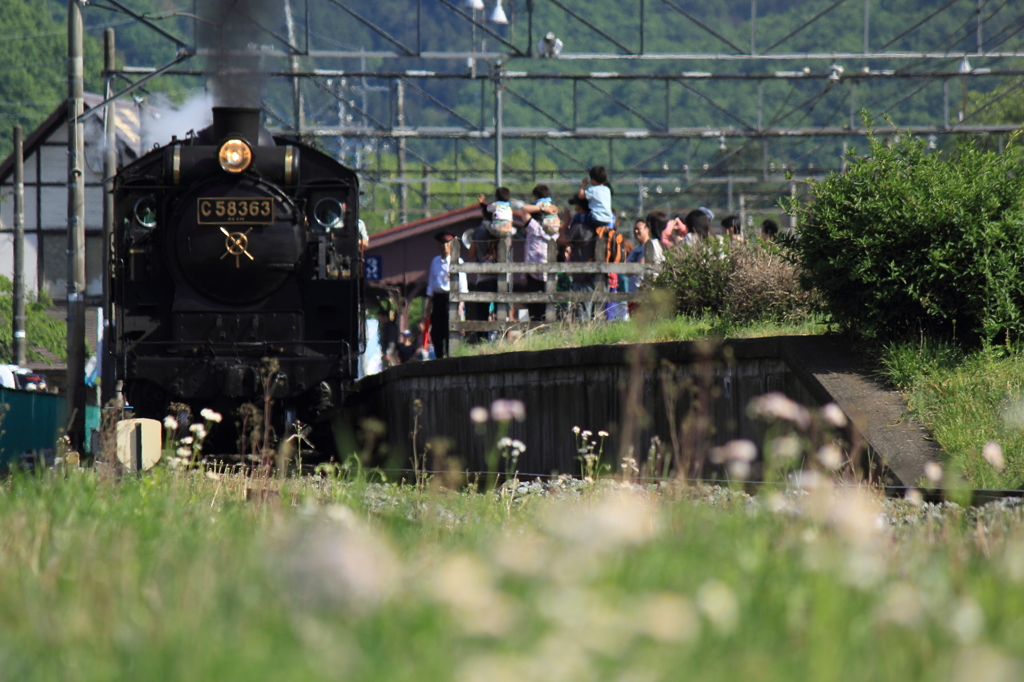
(248, 210)
(373, 268)
(139, 443)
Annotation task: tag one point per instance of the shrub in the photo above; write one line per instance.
(697, 276)
(907, 243)
(765, 286)
(742, 281)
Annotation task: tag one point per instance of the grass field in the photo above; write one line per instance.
(176, 577)
(652, 329)
(968, 400)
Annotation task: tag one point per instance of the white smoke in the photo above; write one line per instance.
(161, 119)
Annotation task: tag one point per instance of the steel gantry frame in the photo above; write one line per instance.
(395, 101)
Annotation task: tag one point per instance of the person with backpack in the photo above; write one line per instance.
(582, 242)
(543, 210)
(542, 226)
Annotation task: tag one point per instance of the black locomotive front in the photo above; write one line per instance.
(236, 254)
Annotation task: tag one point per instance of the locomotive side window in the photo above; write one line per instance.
(145, 212)
(329, 213)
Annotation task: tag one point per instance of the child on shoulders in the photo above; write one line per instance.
(599, 198)
(499, 212)
(543, 210)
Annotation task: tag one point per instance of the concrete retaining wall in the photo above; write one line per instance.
(586, 387)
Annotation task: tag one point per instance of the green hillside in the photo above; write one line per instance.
(32, 82)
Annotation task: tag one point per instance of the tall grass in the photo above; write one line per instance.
(176, 577)
(967, 400)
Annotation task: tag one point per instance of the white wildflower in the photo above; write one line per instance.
(518, 445)
(741, 450)
(210, 415)
(170, 423)
(187, 440)
(518, 410)
(933, 472)
(739, 470)
(787, 447)
(718, 603)
(903, 605)
(967, 620)
(184, 452)
(984, 662)
(602, 434)
(198, 430)
(587, 434)
(576, 430)
(501, 411)
(915, 497)
(478, 415)
(993, 454)
(830, 456)
(834, 415)
(666, 617)
(778, 406)
(505, 443)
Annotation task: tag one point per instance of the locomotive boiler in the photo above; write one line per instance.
(236, 275)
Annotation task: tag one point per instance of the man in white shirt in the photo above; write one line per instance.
(438, 294)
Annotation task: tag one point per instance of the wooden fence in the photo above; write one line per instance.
(505, 297)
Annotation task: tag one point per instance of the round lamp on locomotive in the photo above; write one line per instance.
(235, 156)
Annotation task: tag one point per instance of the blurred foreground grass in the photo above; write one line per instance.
(651, 329)
(176, 577)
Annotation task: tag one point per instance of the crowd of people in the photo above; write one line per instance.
(587, 224)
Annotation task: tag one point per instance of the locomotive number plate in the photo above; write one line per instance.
(251, 211)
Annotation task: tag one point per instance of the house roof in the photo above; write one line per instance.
(423, 226)
(129, 129)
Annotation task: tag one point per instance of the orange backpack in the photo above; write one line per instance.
(613, 244)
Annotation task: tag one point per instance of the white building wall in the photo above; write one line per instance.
(46, 213)
(7, 260)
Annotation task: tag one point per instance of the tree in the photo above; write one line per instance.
(41, 330)
(33, 65)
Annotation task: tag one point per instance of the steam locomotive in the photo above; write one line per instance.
(236, 275)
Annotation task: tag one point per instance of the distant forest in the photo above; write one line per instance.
(32, 81)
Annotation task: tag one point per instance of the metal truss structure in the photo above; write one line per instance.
(421, 81)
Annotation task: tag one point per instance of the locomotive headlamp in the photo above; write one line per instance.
(145, 212)
(234, 156)
(329, 213)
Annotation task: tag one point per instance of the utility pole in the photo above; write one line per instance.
(106, 358)
(76, 231)
(297, 103)
(18, 332)
(498, 129)
(403, 187)
(426, 192)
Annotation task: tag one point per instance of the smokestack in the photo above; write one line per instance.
(241, 122)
